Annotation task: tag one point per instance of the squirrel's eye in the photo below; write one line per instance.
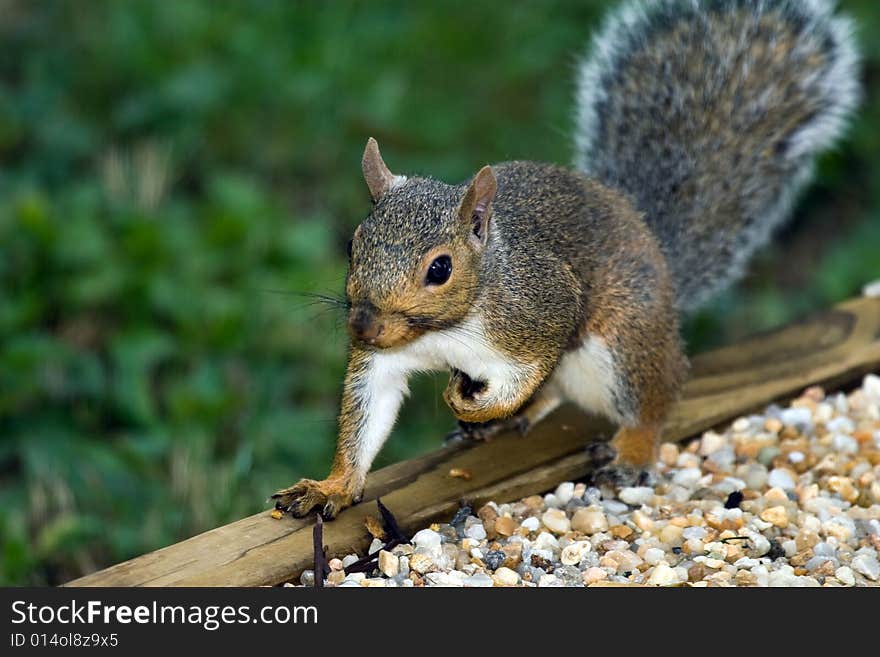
(439, 271)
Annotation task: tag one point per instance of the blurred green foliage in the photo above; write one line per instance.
(173, 175)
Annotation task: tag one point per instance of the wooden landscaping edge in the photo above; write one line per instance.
(832, 348)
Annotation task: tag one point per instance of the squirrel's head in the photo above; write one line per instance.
(414, 262)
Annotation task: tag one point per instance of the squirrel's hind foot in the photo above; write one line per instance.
(611, 473)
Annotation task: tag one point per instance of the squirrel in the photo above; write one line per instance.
(697, 123)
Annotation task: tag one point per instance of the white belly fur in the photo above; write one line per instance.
(587, 377)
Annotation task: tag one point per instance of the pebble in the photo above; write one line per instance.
(781, 478)
(589, 520)
(663, 575)
(867, 565)
(476, 532)
(506, 577)
(806, 513)
(389, 564)
(532, 524)
(636, 496)
(556, 521)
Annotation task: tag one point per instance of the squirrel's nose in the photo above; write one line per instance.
(364, 324)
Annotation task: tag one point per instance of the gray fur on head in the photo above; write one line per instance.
(708, 114)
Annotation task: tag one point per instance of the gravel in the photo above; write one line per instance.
(790, 497)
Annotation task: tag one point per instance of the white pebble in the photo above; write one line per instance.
(506, 577)
(844, 444)
(636, 496)
(430, 540)
(478, 580)
(867, 565)
(796, 457)
(556, 521)
(687, 477)
(663, 575)
(564, 492)
(698, 533)
(476, 532)
(654, 556)
(795, 416)
(349, 559)
(845, 575)
(780, 478)
(532, 524)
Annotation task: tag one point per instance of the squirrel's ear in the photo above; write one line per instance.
(379, 178)
(476, 208)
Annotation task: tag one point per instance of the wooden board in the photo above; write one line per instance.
(832, 348)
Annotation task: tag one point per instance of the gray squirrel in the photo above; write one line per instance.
(697, 123)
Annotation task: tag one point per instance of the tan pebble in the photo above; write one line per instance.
(416, 579)
(534, 502)
(579, 490)
(734, 552)
(335, 577)
(696, 572)
(388, 563)
(513, 554)
(373, 582)
(806, 540)
(556, 521)
(487, 513)
(773, 425)
(776, 495)
(335, 564)
(621, 531)
(609, 562)
(843, 486)
(801, 557)
(679, 521)
(671, 535)
(589, 520)
(669, 454)
(593, 574)
(776, 515)
(800, 571)
(826, 568)
(421, 563)
(642, 520)
(505, 526)
(746, 578)
(805, 493)
(864, 437)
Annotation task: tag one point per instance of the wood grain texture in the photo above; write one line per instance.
(832, 348)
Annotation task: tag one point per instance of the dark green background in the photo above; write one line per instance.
(174, 174)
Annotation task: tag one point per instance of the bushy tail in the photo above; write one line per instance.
(708, 113)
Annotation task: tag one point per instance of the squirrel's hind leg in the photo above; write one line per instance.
(633, 453)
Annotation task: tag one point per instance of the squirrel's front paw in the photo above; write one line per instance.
(471, 400)
(331, 495)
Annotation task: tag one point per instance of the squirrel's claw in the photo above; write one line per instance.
(611, 473)
(331, 495)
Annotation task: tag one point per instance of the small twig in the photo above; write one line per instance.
(392, 529)
(734, 538)
(389, 521)
(320, 556)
